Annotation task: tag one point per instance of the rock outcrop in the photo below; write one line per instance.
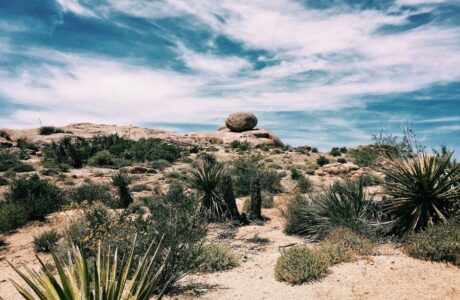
(241, 121)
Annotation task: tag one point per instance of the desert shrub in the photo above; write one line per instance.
(159, 164)
(365, 156)
(335, 152)
(91, 192)
(370, 180)
(343, 150)
(3, 181)
(10, 162)
(101, 159)
(240, 146)
(140, 187)
(154, 149)
(437, 243)
(217, 257)
(23, 143)
(5, 135)
(424, 191)
(46, 241)
(71, 151)
(300, 264)
(341, 160)
(304, 184)
(12, 216)
(314, 150)
(296, 173)
(207, 158)
(350, 240)
(47, 130)
(174, 216)
(322, 160)
(38, 197)
(121, 181)
(268, 200)
(343, 206)
(335, 253)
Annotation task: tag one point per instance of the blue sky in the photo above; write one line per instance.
(321, 73)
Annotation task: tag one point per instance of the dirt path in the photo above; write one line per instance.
(389, 275)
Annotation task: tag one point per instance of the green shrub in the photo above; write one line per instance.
(217, 257)
(300, 264)
(10, 162)
(174, 216)
(341, 160)
(23, 143)
(296, 173)
(207, 158)
(268, 201)
(314, 150)
(345, 205)
(335, 152)
(322, 160)
(91, 192)
(365, 156)
(304, 184)
(12, 216)
(101, 159)
(159, 164)
(154, 149)
(343, 150)
(350, 240)
(370, 180)
(3, 181)
(47, 130)
(437, 243)
(38, 197)
(122, 181)
(424, 191)
(46, 241)
(5, 135)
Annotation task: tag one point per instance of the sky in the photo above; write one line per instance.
(316, 72)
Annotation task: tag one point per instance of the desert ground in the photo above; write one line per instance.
(386, 274)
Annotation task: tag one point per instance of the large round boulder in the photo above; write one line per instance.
(241, 121)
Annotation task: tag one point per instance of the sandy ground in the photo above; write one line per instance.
(388, 275)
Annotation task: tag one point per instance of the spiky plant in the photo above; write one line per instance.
(207, 179)
(107, 279)
(121, 181)
(425, 190)
(341, 205)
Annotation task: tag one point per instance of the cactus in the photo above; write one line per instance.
(256, 199)
(229, 197)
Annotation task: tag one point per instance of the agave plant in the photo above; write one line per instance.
(207, 179)
(425, 190)
(340, 205)
(107, 279)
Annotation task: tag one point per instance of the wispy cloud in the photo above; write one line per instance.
(194, 61)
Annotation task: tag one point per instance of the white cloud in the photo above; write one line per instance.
(75, 7)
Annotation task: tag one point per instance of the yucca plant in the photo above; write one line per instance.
(121, 181)
(341, 205)
(207, 180)
(425, 190)
(107, 279)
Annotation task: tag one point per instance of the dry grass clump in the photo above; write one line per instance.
(438, 243)
(301, 264)
(217, 257)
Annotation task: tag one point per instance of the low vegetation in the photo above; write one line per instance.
(80, 281)
(217, 257)
(440, 243)
(424, 191)
(46, 241)
(47, 130)
(342, 205)
(301, 264)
